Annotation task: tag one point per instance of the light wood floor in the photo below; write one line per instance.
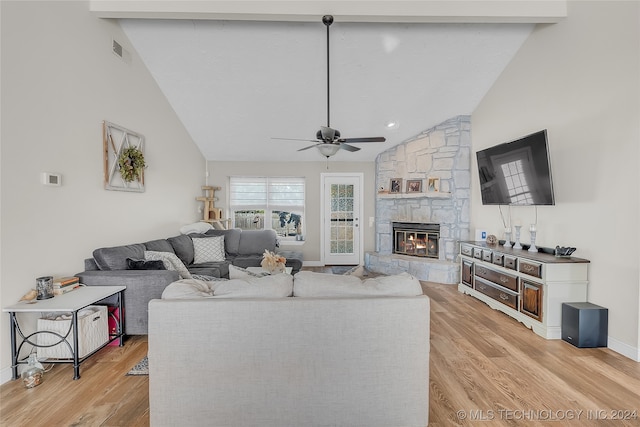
(486, 369)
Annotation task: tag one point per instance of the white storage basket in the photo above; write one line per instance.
(93, 331)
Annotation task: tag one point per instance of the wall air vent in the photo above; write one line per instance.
(117, 48)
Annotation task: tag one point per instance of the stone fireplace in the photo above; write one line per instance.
(444, 153)
(416, 239)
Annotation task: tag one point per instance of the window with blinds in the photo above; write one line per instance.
(275, 203)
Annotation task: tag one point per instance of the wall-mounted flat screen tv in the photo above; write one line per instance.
(517, 172)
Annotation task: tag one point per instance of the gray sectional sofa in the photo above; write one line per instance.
(113, 266)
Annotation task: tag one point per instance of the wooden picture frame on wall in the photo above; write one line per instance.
(115, 140)
(414, 186)
(396, 185)
(433, 184)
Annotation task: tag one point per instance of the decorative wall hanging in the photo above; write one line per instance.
(124, 161)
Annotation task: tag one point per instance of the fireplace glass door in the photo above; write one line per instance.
(409, 240)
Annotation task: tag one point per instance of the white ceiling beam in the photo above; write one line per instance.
(418, 11)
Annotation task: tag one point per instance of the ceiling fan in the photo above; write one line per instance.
(328, 140)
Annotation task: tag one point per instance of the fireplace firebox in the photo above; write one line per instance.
(416, 239)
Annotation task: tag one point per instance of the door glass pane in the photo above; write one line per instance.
(342, 218)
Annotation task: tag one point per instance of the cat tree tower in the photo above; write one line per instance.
(210, 213)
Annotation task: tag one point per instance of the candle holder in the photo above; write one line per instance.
(507, 238)
(533, 232)
(517, 244)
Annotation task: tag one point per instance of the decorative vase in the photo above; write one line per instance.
(507, 238)
(33, 372)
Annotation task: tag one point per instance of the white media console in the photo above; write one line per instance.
(528, 286)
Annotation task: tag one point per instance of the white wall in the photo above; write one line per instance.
(59, 81)
(579, 79)
(220, 171)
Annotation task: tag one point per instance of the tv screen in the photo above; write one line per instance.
(517, 172)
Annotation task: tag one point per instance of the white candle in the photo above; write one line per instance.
(532, 228)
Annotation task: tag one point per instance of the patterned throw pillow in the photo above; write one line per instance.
(208, 249)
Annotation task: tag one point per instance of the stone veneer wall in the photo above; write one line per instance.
(444, 152)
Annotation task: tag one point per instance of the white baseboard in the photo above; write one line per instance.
(312, 264)
(5, 375)
(624, 349)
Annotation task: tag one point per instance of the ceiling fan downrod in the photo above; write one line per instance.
(327, 20)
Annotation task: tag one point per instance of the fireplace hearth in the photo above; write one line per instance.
(416, 239)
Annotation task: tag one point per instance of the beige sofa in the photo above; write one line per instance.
(296, 361)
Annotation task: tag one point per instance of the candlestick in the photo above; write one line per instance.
(532, 230)
(507, 237)
(517, 244)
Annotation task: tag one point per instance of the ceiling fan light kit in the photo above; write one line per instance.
(328, 140)
(328, 150)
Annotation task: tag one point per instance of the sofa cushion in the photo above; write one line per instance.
(273, 286)
(215, 269)
(244, 261)
(208, 249)
(141, 264)
(160, 245)
(115, 258)
(242, 273)
(312, 284)
(294, 259)
(171, 262)
(231, 239)
(188, 288)
(183, 247)
(256, 241)
(357, 271)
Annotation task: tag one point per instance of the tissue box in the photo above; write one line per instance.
(93, 332)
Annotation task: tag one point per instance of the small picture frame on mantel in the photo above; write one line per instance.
(396, 185)
(433, 185)
(414, 185)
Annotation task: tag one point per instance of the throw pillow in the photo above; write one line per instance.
(208, 249)
(141, 264)
(196, 227)
(170, 261)
(243, 273)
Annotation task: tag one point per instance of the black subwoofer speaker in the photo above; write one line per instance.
(584, 324)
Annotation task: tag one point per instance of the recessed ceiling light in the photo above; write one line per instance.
(392, 124)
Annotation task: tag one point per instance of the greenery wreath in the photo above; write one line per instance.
(131, 163)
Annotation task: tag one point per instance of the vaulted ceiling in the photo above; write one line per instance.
(237, 83)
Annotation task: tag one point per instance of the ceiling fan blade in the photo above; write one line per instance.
(295, 139)
(310, 146)
(349, 147)
(369, 139)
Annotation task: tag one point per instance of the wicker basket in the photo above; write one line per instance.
(93, 332)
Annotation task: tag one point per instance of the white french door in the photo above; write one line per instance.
(342, 209)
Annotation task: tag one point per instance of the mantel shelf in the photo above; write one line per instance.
(427, 195)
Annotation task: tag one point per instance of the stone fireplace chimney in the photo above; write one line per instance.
(442, 152)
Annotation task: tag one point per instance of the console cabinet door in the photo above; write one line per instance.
(467, 273)
(531, 300)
